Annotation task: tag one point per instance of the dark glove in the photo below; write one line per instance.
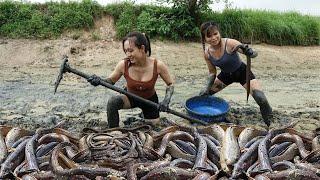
(249, 52)
(164, 104)
(207, 90)
(94, 80)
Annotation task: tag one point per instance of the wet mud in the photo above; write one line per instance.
(289, 76)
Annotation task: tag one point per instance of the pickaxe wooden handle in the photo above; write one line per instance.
(248, 69)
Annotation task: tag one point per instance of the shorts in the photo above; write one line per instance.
(237, 76)
(149, 112)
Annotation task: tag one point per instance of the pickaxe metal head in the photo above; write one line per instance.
(63, 68)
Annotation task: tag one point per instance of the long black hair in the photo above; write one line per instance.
(206, 29)
(139, 39)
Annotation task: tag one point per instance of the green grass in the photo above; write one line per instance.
(51, 19)
(269, 27)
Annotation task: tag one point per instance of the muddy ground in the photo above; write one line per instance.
(290, 77)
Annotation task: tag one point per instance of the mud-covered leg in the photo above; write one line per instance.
(265, 108)
(115, 103)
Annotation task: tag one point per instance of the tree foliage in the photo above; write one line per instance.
(194, 7)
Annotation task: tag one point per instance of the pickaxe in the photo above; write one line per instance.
(65, 67)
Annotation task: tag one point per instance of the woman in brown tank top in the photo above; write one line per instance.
(141, 72)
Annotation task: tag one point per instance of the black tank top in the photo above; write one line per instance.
(228, 62)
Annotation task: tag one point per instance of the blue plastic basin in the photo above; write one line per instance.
(207, 108)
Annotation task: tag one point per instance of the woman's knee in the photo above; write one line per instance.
(115, 103)
(254, 85)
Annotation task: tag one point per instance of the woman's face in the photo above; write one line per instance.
(132, 52)
(213, 37)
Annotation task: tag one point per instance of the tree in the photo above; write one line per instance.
(193, 7)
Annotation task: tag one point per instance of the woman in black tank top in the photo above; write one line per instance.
(223, 53)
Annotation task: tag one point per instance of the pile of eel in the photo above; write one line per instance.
(175, 152)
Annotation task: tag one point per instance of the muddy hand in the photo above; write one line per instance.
(94, 80)
(164, 105)
(207, 90)
(249, 51)
(246, 50)
(204, 92)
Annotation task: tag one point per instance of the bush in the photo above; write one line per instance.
(156, 21)
(50, 19)
(126, 21)
(47, 20)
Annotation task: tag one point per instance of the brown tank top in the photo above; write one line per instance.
(143, 89)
